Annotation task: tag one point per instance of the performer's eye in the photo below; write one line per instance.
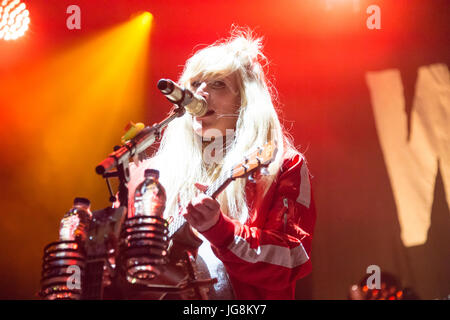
(195, 84)
(218, 84)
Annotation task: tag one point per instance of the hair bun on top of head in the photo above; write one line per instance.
(241, 51)
(247, 48)
(245, 45)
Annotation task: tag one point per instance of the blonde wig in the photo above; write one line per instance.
(180, 157)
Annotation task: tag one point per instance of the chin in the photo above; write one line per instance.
(208, 133)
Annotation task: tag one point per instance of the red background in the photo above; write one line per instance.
(318, 59)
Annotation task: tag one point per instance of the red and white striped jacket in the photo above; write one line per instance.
(265, 256)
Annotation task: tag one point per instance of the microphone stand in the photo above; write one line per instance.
(119, 159)
(117, 165)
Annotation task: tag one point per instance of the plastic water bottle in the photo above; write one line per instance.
(75, 223)
(150, 195)
(145, 239)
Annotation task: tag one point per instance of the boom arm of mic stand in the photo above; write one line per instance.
(140, 143)
(119, 159)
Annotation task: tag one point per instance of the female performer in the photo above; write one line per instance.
(261, 230)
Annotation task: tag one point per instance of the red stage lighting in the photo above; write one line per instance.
(14, 19)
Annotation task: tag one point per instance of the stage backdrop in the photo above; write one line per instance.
(363, 88)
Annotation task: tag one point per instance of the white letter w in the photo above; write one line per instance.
(413, 165)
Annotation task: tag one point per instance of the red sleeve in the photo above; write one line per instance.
(277, 254)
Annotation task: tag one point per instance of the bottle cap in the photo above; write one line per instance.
(82, 201)
(151, 173)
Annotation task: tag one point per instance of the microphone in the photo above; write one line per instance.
(194, 104)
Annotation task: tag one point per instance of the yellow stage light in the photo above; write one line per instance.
(146, 18)
(77, 101)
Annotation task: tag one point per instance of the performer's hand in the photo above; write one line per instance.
(202, 212)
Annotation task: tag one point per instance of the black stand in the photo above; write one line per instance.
(119, 159)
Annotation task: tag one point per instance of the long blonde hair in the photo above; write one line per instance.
(179, 157)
